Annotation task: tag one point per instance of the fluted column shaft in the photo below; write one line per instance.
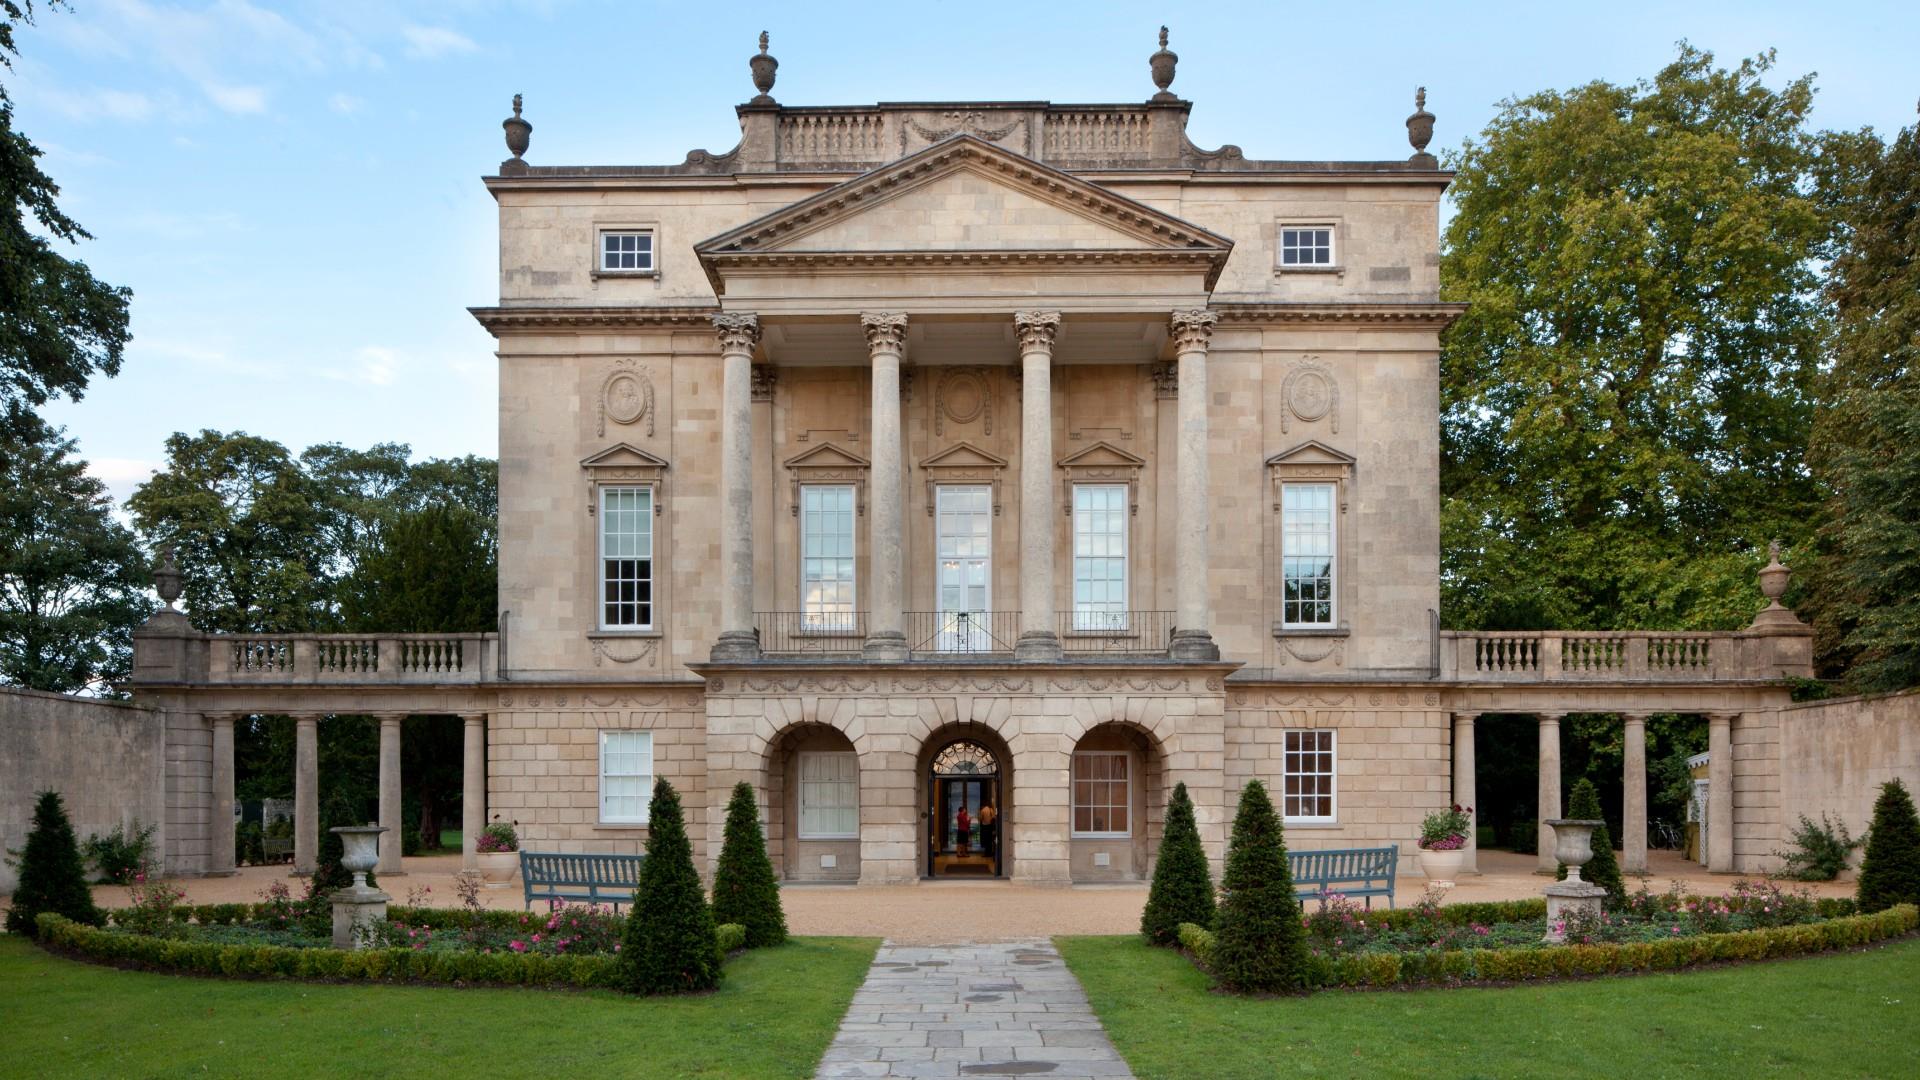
(1465, 782)
(306, 793)
(1038, 641)
(391, 842)
(1720, 793)
(886, 638)
(1549, 789)
(1192, 636)
(220, 854)
(1633, 803)
(473, 791)
(738, 334)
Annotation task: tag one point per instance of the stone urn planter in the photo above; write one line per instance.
(498, 867)
(1572, 898)
(359, 905)
(1442, 865)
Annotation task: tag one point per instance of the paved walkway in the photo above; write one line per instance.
(1009, 1009)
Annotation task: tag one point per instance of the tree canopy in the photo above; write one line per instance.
(1626, 402)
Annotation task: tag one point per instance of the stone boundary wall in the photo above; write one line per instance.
(107, 759)
(1834, 755)
(1757, 769)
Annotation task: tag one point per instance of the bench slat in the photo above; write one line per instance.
(608, 879)
(1366, 872)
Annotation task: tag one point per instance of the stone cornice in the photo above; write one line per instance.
(1419, 316)
(499, 320)
(1061, 258)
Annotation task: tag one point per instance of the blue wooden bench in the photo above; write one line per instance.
(586, 879)
(1352, 872)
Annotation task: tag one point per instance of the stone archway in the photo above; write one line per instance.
(813, 804)
(963, 764)
(1116, 803)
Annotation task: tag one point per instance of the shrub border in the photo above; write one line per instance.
(1382, 971)
(122, 949)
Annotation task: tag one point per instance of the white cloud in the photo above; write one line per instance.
(121, 473)
(372, 365)
(433, 42)
(61, 155)
(345, 104)
(239, 100)
(101, 104)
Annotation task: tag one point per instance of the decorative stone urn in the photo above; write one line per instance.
(1573, 846)
(519, 131)
(1420, 129)
(1162, 65)
(359, 905)
(497, 867)
(1440, 865)
(763, 66)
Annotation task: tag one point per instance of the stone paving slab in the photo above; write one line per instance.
(956, 1011)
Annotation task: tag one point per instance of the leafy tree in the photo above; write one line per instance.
(1866, 435)
(744, 888)
(72, 580)
(428, 570)
(1626, 401)
(58, 323)
(1603, 869)
(52, 875)
(670, 946)
(1260, 946)
(249, 530)
(1182, 890)
(1890, 869)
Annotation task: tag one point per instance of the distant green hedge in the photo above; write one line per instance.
(1382, 970)
(365, 965)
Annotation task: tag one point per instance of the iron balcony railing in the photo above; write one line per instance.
(1086, 632)
(836, 634)
(938, 634)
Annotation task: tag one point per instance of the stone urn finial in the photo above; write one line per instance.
(1774, 576)
(1420, 130)
(763, 66)
(519, 133)
(1162, 64)
(166, 578)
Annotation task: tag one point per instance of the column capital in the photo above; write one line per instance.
(473, 717)
(1634, 717)
(1465, 717)
(738, 331)
(1036, 330)
(1722, 717)
(1550, 717)
(305, 717)
(1192, 329)
(886, 331)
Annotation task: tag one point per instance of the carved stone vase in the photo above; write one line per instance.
(358, 906)
(1572, 898)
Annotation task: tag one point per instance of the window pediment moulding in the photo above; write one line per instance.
(624, 463)
(829, 464)
(1102, 463)
(963, 463)
(1310, 461)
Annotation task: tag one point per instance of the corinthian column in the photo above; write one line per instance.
(1192, 640)
(738, 333)
(1037, 638)
(886, 638)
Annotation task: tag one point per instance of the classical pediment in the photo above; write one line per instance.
(964, 456)
(1101, 455)
(1102, 463)
(826, 456)
(961, 203)
(963, 463)
(1313, 461)
(1312, 452)
(623, 456)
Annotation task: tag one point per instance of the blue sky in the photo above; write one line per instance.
(292, 190)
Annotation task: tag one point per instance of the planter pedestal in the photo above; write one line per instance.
(1572, 898)
(355, 908)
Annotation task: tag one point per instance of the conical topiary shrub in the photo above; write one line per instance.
(1182, 885)
(744, 888)
(1890, 869)
(670, 946)
(1603, 869)
(52, 875)
(1259, 945)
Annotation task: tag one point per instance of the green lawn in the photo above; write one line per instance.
(773, 1017)
(1849, 1015)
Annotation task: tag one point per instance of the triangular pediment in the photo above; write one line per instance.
(826, 456)
(1311, 452)
(959, 195)
(1100, 455)
(964, 456)
(623, 455)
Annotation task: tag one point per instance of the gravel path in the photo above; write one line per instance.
(1011, 1009)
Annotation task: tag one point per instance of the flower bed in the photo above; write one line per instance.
(1430, 944)
(568, 948)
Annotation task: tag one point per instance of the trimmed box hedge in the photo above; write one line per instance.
(1436, 967)
(338, 965)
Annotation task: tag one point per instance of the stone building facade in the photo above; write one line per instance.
(913, 457)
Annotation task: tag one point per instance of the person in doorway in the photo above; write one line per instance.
(988, 817)
(965, 825)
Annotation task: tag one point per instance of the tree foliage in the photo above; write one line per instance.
(1866, 435)
(72, 581)
(52, 875)
(1260, 946)
(1890, 869)
(745, 890)
(1182, 890)
(1626, 400)
(59, 325)
(670, 945)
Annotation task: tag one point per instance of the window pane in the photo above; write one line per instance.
(826, 549)
(626, 775)
(1101, 793)
(626, 556)
(829, 795)
(1307, 554)
(1099, 556)
(1308, 764)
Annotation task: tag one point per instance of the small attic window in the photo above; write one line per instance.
(1306, 246)
(626, 251)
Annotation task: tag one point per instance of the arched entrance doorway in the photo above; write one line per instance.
(967, 812)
